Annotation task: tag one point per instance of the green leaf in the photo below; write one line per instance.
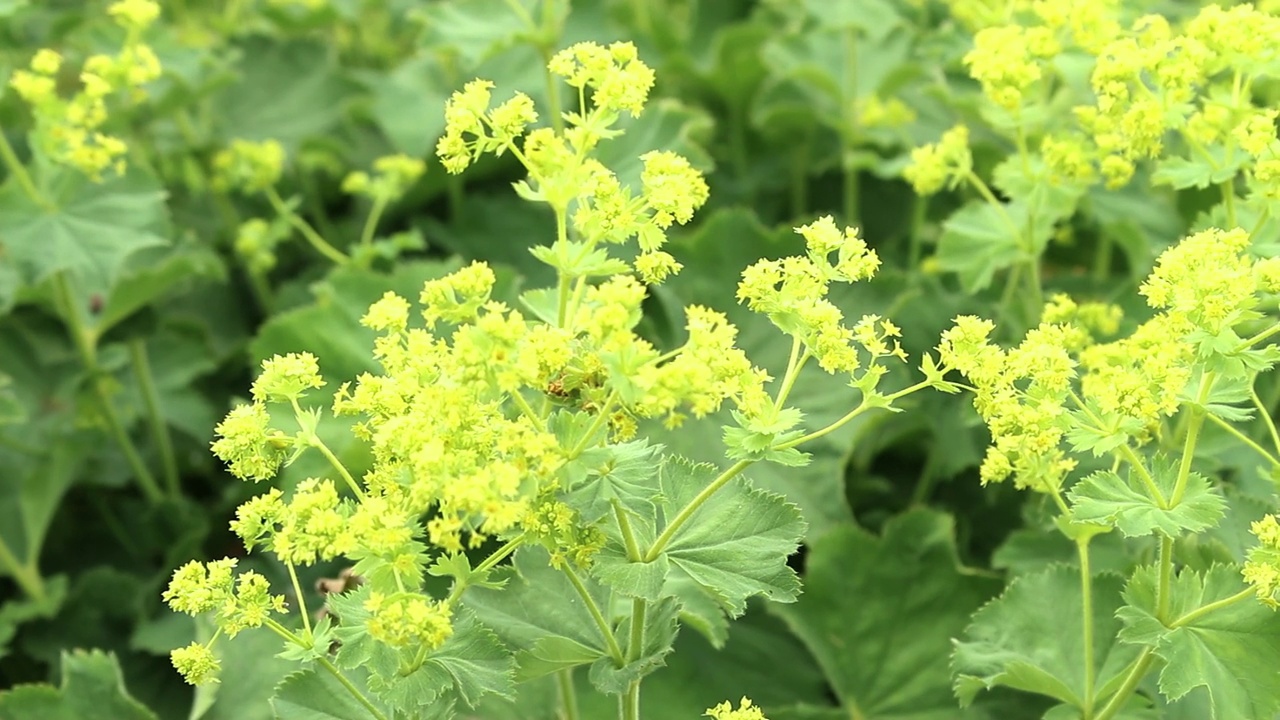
(879, 613)
(1007, 643)
(737, 542)
(90, 231)
(407, 104)
(531, 615)
(316, 695)
(1231, 652)
(155, 278)
(92, 689)
(475, 30)
(1105, 497)
(288, 91)
(625, 473)
(981, 239)
(1183, 173)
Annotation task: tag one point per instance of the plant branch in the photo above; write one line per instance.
(151, 399)
(302, 226)
(606, 632)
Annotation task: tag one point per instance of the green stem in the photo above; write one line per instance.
(1165, 563)
(687, 511)
(849, 136)
(151, 399)
(888, 400)
(371, 222)
(1244, 439)
(601, 418)
(1086, 597)
(800, 177)
(461, 584)
(318, 444)
(329, 667)
(85, 342)
(1102, 259)
(527, 411)
(568, 695)
(606, 632)
(303, 227)
(1250, 342)
(794, 363)
(562, 280)
(1266, 418)
(18, 172)
(1193, 434)
(1229, 201)
(302, 603)
(628, 537)
(1203, 610)
(915, 241)
(635, 649)
(27, 577)
(1136, 672)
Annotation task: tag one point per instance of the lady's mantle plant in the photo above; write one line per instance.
(520, 431)
(1060, 399)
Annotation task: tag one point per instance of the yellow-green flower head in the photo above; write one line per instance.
(1256, 134)
(854, 260)
(405, 620)
(1007, 60)
(35, 89)
(746, 711)
(247, 443)
(875, 112)
(1139, 378)
(250, 606)
(393, 176)
(1206, 278)
(310, 524)
(286, 378)
(196, 663)
(510, 119)
(46, 62)
(249, 166)
(257, 518)
(619, 80)
(671, 187)
(1267, 274)
(389, 314)
(942, 164)
(1262, 567)
(135, 15)
(457, 297)
(200, 587)
(654, 267)
(1235, 36)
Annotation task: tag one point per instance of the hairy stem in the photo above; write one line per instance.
(687, 511)
(568, 695)
(1136, 673)
(303, 227)
(1086, 597)
(606, 632)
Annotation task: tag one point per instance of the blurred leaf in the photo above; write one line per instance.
(92, 689)
(160, 274)
(879, 613)
(315, 695)
(90, 231)
(478, 29)
(408, 104)
(288, 92)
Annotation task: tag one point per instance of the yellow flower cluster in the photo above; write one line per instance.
(1262, 568)
(248, 166)
(238, 603)
(408, 620)
(71, 129)
(793, 293)
(941, 164)
(746, 711)
(393, 175)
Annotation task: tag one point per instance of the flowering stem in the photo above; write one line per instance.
(568, 695)
(1086, 597)
(19, 173)
(84, 340)
(601, 418)
(611, 642)
(528, 412)
(687, 511)
(150, 398)
(302, 603)
(1136, 672)
(562, 280)
(318, 444)
(888, 399)
(371, 222)
(302, 226)
(628, 537)
(635, 648)
(1229, 201)
(1245, 439)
